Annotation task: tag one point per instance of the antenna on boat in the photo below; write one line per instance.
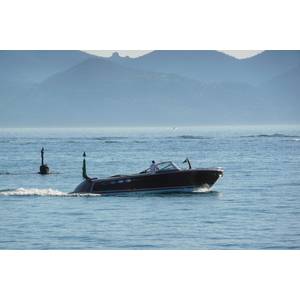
(188, 161)
(84, 175)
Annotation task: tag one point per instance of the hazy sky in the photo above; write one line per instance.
(136, 53)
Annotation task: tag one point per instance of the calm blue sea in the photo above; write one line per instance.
(256, 205)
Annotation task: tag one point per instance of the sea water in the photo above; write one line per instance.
(255, 205)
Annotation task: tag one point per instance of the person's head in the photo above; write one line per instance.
(153, 161)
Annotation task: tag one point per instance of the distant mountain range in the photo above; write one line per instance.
(214, 66)
(36, 66)
(162, 88)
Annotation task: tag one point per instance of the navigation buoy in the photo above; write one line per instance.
(44, 169)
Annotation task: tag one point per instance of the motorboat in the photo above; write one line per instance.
(168, 177)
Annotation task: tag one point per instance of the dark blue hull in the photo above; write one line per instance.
(174, 180)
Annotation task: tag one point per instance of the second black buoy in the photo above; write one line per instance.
(44, 169)
(84, 175)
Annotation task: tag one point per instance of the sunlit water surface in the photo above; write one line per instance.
(254, 206)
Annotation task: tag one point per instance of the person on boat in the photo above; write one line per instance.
(153, 167)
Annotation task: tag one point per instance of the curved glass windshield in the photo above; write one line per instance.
(164, 166)
(169, 165)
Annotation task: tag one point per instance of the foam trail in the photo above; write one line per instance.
(38, 192)
(202, 190)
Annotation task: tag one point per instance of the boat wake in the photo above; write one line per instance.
(56, 193)
(202, 190)
(40, 192)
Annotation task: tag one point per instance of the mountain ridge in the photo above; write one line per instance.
(98, 92)
(215, 66)
(37, 65)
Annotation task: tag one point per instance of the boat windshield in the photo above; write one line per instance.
(168, 165)
(163, 166)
